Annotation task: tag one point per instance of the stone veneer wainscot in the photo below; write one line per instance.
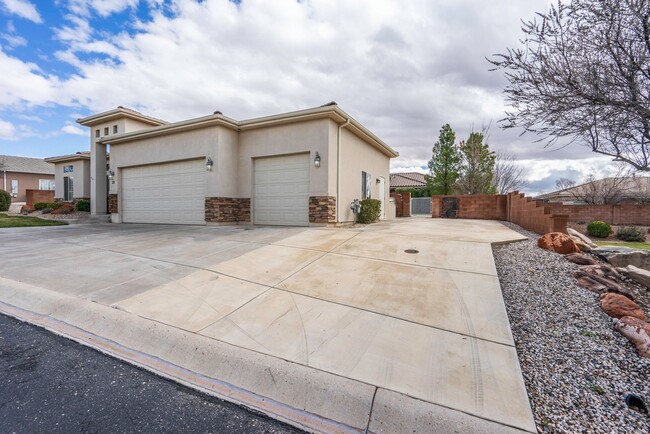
(322, 209)
(227, 209)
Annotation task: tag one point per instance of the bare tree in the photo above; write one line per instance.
(508, 175)
(564, 183)
(611, 190)
(584, 75)
(641, 188)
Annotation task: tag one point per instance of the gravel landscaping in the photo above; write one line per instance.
(576, 367)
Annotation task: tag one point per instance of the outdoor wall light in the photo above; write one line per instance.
(209, 164)
(378, 180)
(111, 176)
(317, 160)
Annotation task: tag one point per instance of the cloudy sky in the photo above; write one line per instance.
(402, 68)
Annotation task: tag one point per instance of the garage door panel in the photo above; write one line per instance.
(164, 193)
(281, 190)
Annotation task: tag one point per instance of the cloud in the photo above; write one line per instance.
(103, 8)
(13, 41)
(72, 129)
(23, 8)
(7, 131)
(24, 85)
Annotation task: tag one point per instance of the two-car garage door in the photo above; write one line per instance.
(281, 190)
(175, 192)
(164, 193)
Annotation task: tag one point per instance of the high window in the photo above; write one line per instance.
(366, 185)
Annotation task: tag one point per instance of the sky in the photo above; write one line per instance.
(401, 68)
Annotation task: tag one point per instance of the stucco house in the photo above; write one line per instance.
(299, 169)
(19, 174)
(72, 174)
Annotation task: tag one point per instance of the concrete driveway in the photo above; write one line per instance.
(392, 327)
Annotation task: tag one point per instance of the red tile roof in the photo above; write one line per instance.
(408, 180)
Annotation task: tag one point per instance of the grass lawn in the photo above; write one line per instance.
(7, 221)
(640, 246)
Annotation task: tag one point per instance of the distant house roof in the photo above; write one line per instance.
(84, 155)
(12, 163)
(408, 180)
(630, 188)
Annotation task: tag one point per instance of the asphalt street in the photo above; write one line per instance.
(51, 384)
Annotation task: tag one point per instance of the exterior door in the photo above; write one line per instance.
(68, 188)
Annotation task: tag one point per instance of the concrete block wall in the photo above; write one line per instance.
(612, 214)
(486, 207)
(402, 203)
(35, 196)
(533, 215)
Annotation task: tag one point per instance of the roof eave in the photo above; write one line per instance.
(117, 113)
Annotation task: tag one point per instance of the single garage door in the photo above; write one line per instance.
(281, 191)
(164, 193)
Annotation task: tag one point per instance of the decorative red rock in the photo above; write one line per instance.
(618, 306)
(637, 332)
(558, 242)
(580, 259)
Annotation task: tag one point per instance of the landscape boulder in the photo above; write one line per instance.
(618, 306)
(592, 277)
(558, 242)
(637, 274)
(624, 256)
(580, 259)
(26, 209)
(637, 332)
(577, 235)
(66, 208)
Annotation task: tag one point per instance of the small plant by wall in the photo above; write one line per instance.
(599, 229)
(370, 211)
(5, 200)
(631, 233)
(40, 206)
(83, 205)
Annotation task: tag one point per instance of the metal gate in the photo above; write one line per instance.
(421, 205)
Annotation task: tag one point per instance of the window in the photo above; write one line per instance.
(46, 184)
(106, 131)
(68, 169)
(68, 188)
(96, 133)
(114, 129)
(366, 185)
(14, 187)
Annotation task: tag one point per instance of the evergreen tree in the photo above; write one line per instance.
(445, 163)
(477, 168)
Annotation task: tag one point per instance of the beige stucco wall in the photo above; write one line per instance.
(358, 156)
(186, 145)
(309, 136)
(80, 175)
(226, 161)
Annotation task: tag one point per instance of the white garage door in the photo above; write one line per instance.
(281, 191)
(164, 193)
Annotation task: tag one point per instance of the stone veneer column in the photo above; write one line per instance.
(322, 209)
(112, 203)
(227, 209)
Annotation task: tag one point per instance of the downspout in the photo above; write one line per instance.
(338, 170)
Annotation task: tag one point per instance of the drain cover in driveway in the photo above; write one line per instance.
(411, 251)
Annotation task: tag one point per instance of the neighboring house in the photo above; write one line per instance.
(72, 174)
(19, 174)
(629, 190)
(300, 168)
(407, 180)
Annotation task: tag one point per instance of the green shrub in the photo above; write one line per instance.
(5, 200)
(631, 233)
(370, 211)
(599, 229)
(83, 205)
(40, 206)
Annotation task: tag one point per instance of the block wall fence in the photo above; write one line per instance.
(35, 196)
(402, 203)
(538, 216)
